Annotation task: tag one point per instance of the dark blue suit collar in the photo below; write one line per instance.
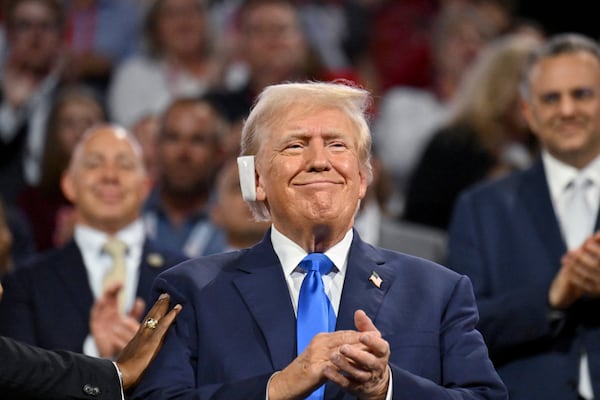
(535, 193)
(263, 288)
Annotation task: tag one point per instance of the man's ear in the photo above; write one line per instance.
(67, 186)
(247, 177)
(260, 193)
(364, 184)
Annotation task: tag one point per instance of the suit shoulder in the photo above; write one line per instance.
(47, 260)
(202, 270)
(502, 183)
(492, 190)
(417, 265)
(425, 276)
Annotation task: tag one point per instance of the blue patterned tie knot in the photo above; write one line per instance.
(315, 313)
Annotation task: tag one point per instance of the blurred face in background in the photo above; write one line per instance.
(74, 118)
(564, 106)
(189, 152)
(34, 35)
(182, 27)
(461, 46)
(231, 212)
(106, 180)
(273, 43)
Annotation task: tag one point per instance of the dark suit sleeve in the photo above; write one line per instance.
(28, 372)
(466, 370)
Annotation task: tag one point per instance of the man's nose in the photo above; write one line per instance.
(317, 156)
(110, 171)
(566, 105)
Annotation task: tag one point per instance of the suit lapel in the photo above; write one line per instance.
(263, 288)
(70, 270)
(359, 292)
(536, 197)
(152, 263)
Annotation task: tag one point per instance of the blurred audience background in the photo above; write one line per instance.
(69, 64)
(182, 75)
(485, 134)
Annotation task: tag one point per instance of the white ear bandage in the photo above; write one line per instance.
(247, 177)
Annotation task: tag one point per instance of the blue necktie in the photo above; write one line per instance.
(315, 313)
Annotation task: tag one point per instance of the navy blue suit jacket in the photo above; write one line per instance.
(506, 237)
(238, 326)
(47, 303)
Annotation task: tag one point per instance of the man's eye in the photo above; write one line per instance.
(126, 164)
(337, 145)
(169, 138)
(583, 93)
(91, 163)
(550, 98)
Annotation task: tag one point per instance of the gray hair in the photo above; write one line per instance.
(564, 43)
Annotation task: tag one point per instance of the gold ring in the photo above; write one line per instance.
(151, 323)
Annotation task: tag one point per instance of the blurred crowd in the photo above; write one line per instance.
(180, 76)
(145, 65)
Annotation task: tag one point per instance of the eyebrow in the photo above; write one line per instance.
(304, 133)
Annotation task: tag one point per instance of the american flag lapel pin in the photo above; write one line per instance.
(375, 279)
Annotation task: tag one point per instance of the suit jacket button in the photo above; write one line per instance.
(91, 390)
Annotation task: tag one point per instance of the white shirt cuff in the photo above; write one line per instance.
(120, 380)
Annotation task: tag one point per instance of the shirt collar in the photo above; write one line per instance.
(91, 239)
(560, 174)
(290, 253)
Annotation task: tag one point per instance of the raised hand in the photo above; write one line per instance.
(146, 343)
(111, 329)
(362, 368)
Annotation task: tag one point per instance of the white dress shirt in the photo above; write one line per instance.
(290, 254)
(97, 262)
(559, 175)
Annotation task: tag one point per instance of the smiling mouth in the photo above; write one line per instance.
(317, 183)
(570, 129)
(109, 196)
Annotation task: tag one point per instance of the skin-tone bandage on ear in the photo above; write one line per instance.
(247, 177)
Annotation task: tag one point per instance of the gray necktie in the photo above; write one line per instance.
(116, 248)
(578, 221)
